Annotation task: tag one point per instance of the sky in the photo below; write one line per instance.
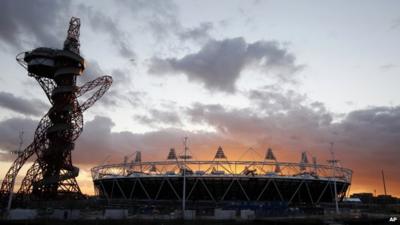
(290, 75)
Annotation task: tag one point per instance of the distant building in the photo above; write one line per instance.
(352, 200)
(364, 197)
(369, 198)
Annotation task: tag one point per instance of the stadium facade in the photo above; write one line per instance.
(221, 182)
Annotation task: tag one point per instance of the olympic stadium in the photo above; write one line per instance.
(221, 182)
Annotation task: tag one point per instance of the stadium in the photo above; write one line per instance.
(221, 182)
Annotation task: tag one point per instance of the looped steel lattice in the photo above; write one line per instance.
(52, 174)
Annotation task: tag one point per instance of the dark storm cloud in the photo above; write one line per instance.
(33, 107)
(38, 22)
(218, 64)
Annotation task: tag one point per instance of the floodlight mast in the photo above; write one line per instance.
(52, 175)
(10, 196)
(334, 164)
(184, 177)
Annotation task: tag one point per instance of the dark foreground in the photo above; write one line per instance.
(93, 211)
(331, 220)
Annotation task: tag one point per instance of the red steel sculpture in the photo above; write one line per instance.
(52, 175)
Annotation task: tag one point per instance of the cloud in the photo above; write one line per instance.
(32, 107)
(159, 16)
(282, 120)
(9, 134)
(101, 22)
(121, 80)
(98, 141)
(90, 149)
(38, 22)
(290, 120)
(218, 64)
(387, 67)
(369, 136)
(273, 100)
(377, 127)
(91, 72)
(363, 137)
(395, 24)
(157, 117)
(199, 34)
(44, 23)
(233, 123)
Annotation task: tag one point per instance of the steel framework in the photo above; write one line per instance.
(52, 174)
(221, 180)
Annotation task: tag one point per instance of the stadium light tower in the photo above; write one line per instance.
(185, 156)
(334, 162)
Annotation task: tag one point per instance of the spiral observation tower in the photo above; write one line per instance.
(52, 175)
(221, 181)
